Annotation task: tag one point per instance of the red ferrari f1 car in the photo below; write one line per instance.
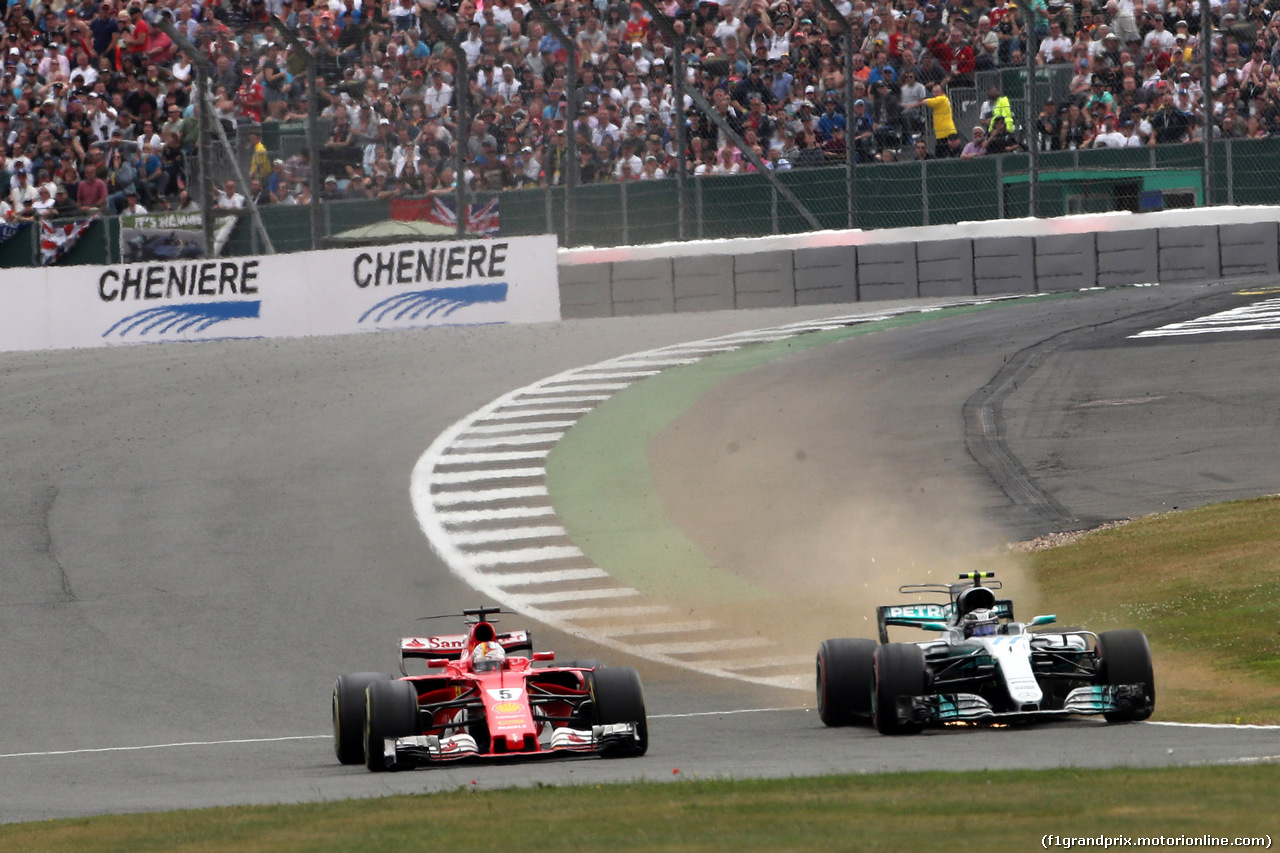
(482, 697)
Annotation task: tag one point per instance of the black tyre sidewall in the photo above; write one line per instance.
(845, 671)
(1125, 658)
(391, 711)
(618, 697)
(348, 714)
(899, 671)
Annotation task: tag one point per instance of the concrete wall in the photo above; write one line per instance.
(1039, 256)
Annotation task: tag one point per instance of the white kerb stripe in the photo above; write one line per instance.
(533, 413)
(656, 628)
(524, 555)
(619, 374)
(506, 534)
(586, 398)
(696, 648)
(488, 495)
(654, 362)
(446, 478)
(575, 595)
(549, 390)
(558, 576)
(510, 440)
(490, 458)
(471, 516)
(602, 613)
(535, 426)
(761, 663)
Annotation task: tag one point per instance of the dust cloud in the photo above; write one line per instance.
(826, 503)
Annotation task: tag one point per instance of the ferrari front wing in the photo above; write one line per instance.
(433, 749)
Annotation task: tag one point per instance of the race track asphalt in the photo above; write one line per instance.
(195, 539)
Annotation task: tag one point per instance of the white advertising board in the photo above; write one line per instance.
(329, 292)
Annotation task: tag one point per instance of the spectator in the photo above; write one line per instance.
(132, 206)
(1000, 140)
(91, 193)
(227, 198)
(976, 146)
(944, 126)
(122, 177)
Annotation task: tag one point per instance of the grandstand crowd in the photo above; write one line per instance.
(97, 110)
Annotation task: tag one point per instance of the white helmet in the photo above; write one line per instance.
(980, 623)
(487, 657)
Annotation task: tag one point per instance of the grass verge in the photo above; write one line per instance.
(1205, 587)
(896, 811)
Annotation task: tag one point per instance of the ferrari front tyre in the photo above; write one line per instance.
(845, 672)
(899, 672)
(348, 714)
(1124, 657)
(618, 697)
(391, 712)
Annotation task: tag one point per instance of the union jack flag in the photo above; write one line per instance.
(57, 238)
(482, 219)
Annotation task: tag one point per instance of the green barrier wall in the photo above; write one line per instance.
(937, 192)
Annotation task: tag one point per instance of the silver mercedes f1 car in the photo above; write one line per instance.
(984, 667)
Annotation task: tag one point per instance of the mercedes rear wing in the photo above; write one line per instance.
(924, 616)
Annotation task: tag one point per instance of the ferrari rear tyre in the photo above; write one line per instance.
(845, 674)
(348, 714)
(585, 663)
(899, 671)
(391, 711)
(618, 697)
(1124, 657)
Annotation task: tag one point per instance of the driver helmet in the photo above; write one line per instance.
(487, 657)
(980, 623)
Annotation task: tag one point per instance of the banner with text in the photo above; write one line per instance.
(169, 236)
(328, 292)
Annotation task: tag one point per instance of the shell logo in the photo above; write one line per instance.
(508, 707)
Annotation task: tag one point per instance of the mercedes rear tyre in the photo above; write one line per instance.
(845, 672)
(1124, 657)
(618, 697)
(899, 672)
(391, 712)
(348, 714)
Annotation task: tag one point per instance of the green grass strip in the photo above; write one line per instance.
(1012, 810)
(599, 479)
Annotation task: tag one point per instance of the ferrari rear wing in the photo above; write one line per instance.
(451, 646)
(919, 615)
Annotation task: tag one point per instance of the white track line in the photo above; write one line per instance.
(692, 715)
(181, 744)
(1260, 728)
